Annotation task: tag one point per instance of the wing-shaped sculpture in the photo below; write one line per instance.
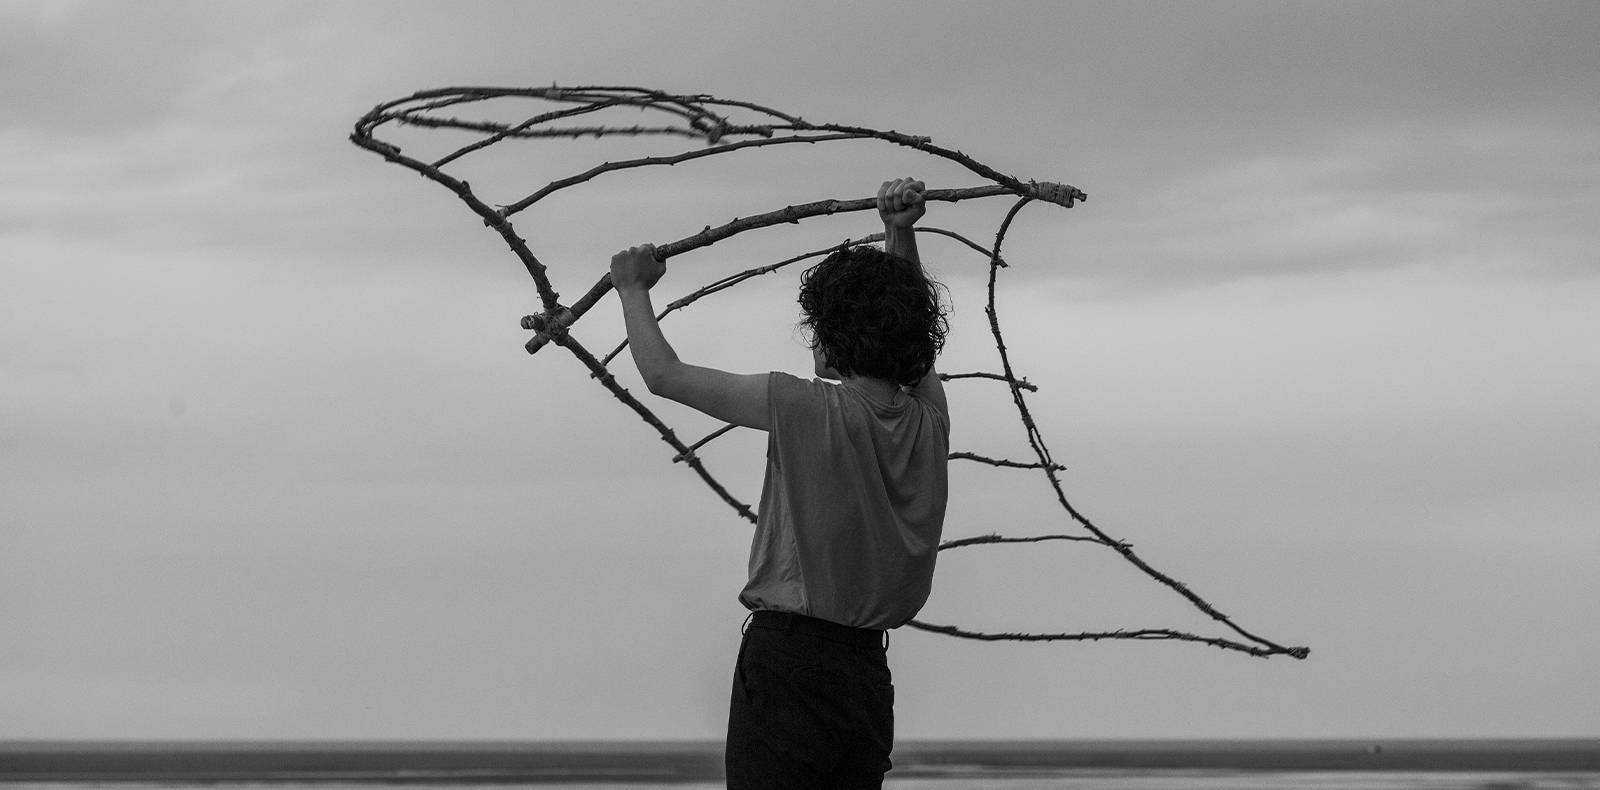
(717, 127)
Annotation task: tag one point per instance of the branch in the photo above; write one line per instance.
(786, 215)
(773, 128)
(983, 540)
(653, 161)
(608, 381)
(1095, 636)
(965, 456)
(689, 453)
(1023, 383)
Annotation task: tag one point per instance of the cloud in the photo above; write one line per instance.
(95, 70)
(1495, 198)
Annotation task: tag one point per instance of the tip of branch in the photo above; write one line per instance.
(1060, 194)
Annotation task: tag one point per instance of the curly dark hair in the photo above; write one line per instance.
(873, 314)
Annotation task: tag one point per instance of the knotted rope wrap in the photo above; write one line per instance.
(711, 123)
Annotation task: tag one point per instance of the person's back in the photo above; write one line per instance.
(852, 507)
(853, 503)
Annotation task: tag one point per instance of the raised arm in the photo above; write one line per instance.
(730, 397)
(900, 205)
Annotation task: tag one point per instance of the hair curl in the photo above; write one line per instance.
(873, 314)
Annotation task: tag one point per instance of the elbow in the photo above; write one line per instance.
(659, 380)
(657, 368)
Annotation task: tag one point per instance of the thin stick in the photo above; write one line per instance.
(1023, 383)
(964, 456)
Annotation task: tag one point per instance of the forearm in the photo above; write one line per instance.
(901, 241)
(652, 354)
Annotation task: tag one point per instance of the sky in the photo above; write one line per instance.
(275, 465)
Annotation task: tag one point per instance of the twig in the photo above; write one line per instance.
(606, 380)
(689, 453)
(964, 456)
(985, 540)
(1023, 383)
(1095, 636)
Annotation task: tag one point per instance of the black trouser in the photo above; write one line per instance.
(812, 706)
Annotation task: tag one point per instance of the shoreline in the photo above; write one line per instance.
(667, 762)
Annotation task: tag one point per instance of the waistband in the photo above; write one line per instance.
(823, 629)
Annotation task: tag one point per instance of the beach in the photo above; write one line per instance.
(926, 765)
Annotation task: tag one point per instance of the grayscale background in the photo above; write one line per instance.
(1322, 344)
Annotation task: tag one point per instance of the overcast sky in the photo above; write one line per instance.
(1321, 344)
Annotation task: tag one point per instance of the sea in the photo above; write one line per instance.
(1348, 764)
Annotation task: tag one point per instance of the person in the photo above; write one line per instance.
(852, 507)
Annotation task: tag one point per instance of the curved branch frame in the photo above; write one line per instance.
(711, 121)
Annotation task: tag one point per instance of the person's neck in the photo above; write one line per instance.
(882, 389)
